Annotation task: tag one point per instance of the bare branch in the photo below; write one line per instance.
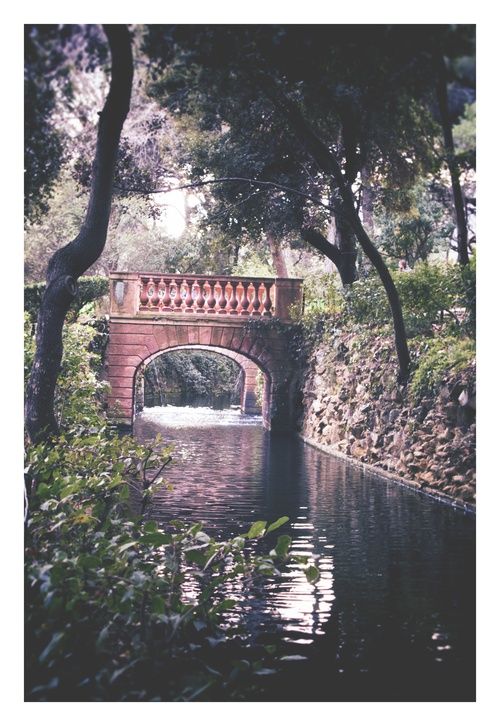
(223, 180)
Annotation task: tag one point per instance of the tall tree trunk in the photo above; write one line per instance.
(277, 256)
(345, 241)
(71, 261)
(446, 125)
(328, 163)
(344, 262)
(367, 202)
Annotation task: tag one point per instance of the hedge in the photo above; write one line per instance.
(89, 289)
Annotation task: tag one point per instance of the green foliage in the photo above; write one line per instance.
(430, 294)
(435, 357)
(182, 378)
(322, 296)
(415, 226)
(43, 143)
(80, 393)
(29, 345)
(116, 607)
(464, 137)
(89, 289)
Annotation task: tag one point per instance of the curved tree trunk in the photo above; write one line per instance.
(446, 125)
(327, 162)
(71, 261)
(343, 261)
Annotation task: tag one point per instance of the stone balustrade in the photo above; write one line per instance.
(152, 294)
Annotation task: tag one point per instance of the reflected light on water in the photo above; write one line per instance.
(392, 612)
(289, 602)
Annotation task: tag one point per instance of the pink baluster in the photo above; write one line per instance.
(152, 297)
(143, 295)
(178, 297)
(222, 299)
(267, 302)
(189, 296)
(211, 298)
(186, 296)
(167, 299)
(162, 291)
(233, 300)
(200, 300)
(245, 302)
(256, 301)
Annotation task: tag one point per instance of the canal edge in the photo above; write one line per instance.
(466, 507)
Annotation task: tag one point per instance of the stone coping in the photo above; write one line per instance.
(384, 474)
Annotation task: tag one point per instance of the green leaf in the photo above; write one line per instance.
(197, 556)
(158, 604)
(42, 490)
(312, 573)
(54, 641)
(226, 604)
(279, 522)
(283, 545)
(88, 561)
(256, 530)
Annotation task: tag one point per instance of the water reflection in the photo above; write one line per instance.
(392, 615)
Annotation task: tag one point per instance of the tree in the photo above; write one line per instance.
(71, 261)
(415, 225)
(303, 127)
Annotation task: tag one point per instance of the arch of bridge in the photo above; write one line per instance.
(154, 313)
(247, 366)
(134, 343)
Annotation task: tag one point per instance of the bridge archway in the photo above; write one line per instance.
(153, 313)
(249, 369)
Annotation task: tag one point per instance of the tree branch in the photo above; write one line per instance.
(223, 180)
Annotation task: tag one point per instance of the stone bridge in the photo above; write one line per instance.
(152, 313)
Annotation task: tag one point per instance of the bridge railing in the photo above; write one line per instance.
(145, 294)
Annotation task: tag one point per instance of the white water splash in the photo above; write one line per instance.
(198, 416)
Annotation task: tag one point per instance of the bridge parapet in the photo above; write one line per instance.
(141, 294)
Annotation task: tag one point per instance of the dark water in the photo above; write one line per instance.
(392, 617)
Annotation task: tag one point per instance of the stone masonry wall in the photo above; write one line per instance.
(353, 405)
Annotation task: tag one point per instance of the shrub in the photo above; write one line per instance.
(429, 294)
(89, 289)
(117, 608)
(437, 356)
(322, 296)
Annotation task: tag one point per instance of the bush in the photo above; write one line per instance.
(429, 294)
(435, 357)
(89, 289)
(109, 613)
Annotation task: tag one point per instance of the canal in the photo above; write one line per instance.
(392, 617)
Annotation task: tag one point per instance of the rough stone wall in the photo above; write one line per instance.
(352, 404)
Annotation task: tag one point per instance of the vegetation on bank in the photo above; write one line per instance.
(439, 303)
(116, 607)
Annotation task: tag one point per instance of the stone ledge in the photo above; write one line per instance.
(383, 474)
